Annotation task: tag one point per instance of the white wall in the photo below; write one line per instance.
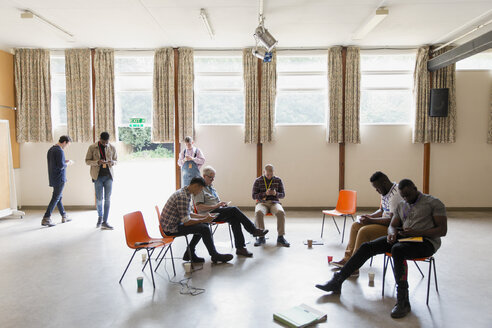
(234, 161)
(460, 173)
(386, 148)
(307, 164)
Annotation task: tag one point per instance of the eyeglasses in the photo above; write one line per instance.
(210, 177)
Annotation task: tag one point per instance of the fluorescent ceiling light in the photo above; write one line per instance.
(204, 17)
(29, 14)
(381, 14)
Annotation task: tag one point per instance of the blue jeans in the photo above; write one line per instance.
(56, 200)
(103, 184)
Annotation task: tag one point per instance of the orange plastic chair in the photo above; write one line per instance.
(432, 264)
(346, 206)
(137, 238)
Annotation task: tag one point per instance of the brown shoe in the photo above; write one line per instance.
(260, 233)
(243, 251)
(340, 263)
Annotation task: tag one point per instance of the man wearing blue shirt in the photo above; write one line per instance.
(57, 165)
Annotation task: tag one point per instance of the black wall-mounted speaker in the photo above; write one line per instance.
(439, 100)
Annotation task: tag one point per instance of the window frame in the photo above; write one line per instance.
(131, 54)
(197, 91)
(395, 52)
(53, 55)
(324, 90)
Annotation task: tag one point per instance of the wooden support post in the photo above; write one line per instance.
(259, 146)
(93, 86)
(177, 144)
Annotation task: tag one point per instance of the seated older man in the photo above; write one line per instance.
(267, 191)
(208, 201)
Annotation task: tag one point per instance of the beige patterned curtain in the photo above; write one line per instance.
(268, 94)
(335, 96)
(433, 129)
(78, 78)
(352, 96)
(33, 93)
(250, 77)
(489, 135)
(104, 92)
(185, 93)
(163, 96)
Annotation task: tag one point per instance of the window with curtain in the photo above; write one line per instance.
(133, 101)
(302, 95)
(58, 90)
(219, 89)
(386, 88)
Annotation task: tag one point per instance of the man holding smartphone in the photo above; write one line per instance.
(267, 191)
(101, 157)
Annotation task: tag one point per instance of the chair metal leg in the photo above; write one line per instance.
(336, 225)
(419, 269)
(385, 268)
(343, 232)
(150, 265)
(159, 255)
(163, 256)
(230, 234)
(189, 250)
(172, 258)
(435, 275)
(128, 264)
(322, 226)
(148, 259)
(352, 217)
(428, 282)
(370, 264)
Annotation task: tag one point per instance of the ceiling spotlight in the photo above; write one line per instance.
(265, 38)
(204, 17)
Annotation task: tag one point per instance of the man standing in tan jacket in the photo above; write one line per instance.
(101, 157)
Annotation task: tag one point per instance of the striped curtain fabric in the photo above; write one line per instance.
(104, 92)
(163, 96)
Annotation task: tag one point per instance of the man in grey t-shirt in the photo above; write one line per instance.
(418, 215)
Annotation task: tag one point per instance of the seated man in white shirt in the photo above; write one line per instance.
(208, 201)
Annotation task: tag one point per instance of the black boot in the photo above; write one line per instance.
(402, 307)
(222, 258)
(334, 285)
(194, 257)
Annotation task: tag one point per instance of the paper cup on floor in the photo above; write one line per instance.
(371, 277)
(144, 257)
(187, 267)
(310, 243)
(140, 282)
(330, 258)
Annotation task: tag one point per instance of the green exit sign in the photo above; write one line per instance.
(137, 120)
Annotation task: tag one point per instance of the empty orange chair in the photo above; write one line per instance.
(137, 238)
(346, 206)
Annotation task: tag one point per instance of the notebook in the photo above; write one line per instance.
(299, 316)
(412, 239)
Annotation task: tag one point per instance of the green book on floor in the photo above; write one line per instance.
(299, 316)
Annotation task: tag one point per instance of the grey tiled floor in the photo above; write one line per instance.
(67, 276)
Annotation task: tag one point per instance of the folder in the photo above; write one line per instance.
(300, 316)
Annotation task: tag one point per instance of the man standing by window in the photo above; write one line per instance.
(101, 157)
(56, 172)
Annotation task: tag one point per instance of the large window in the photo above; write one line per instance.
(386, 88)
(58, 90)
(301, 89)
(219, 89)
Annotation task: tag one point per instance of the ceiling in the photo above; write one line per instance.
(147, 24)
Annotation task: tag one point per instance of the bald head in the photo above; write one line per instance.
(268, 172)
